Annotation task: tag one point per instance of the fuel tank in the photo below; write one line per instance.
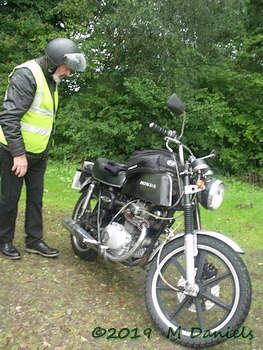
(156, 188)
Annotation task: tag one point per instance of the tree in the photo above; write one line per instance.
(138, 54)
(25, 28)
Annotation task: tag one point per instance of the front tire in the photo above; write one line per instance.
(221, 305)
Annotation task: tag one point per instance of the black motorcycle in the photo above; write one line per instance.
(197, 288)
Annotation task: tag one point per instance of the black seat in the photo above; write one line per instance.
(109, 172)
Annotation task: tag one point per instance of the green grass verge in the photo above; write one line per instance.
(240, 215)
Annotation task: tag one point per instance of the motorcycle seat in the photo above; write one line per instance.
(114, 167)
(109, 172)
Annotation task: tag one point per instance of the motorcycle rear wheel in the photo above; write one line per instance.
(221, 305)
(82, 250)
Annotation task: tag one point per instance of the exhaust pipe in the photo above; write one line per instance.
(78, 231)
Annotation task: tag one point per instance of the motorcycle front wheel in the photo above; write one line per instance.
(220, 307)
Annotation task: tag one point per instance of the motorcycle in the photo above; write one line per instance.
(197, 288)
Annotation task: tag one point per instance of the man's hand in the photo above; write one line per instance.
(20, 165)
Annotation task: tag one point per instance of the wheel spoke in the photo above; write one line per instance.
(217, 279)
(179, 267)
(217, 301)
(184, 303)
(199, 313)
(200, 264)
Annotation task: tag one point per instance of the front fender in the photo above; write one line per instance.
(214, 234)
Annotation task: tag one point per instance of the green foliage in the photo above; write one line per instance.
(138, 54)
(109, 124)
(25, 29)
(205, 110)
(239, 133)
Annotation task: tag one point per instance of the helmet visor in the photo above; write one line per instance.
(75, 61)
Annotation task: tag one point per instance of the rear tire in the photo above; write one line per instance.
(221, 305)
(83, 251)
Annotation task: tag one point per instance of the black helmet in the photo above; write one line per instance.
(64, 51)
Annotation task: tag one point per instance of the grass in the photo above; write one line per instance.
(58, 193)
(240, 215)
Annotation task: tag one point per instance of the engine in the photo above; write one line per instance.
(120, 235)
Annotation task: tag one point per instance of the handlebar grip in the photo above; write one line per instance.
(160, 130)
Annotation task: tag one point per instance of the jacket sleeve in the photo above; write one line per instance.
(18, 99)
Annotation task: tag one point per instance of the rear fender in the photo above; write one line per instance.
(83, 177)
(214, 234)
(86, 183)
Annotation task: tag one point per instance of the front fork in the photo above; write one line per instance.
(191, 222)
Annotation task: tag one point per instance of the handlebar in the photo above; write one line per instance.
(172, 136)
(162, 131)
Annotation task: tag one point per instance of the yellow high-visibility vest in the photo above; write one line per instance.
(37, 122)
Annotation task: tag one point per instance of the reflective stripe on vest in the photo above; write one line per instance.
(37, 122)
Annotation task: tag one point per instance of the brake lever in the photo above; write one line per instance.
(211, 155)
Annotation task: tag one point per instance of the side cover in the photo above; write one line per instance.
(154, 188)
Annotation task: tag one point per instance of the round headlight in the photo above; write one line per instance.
(213, 194)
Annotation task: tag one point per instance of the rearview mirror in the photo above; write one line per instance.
(175, 105)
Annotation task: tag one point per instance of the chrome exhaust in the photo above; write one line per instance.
(76, 230)
(79, 232)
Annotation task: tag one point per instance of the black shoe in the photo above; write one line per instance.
(9, 251)
(42, 248)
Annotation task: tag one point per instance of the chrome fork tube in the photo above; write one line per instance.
(190, 239)
(190, 253)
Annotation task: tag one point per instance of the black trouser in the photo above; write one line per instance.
(11, 187)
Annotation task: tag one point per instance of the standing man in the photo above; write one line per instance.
(26, 130)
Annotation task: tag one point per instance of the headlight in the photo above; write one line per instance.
(213, 194)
